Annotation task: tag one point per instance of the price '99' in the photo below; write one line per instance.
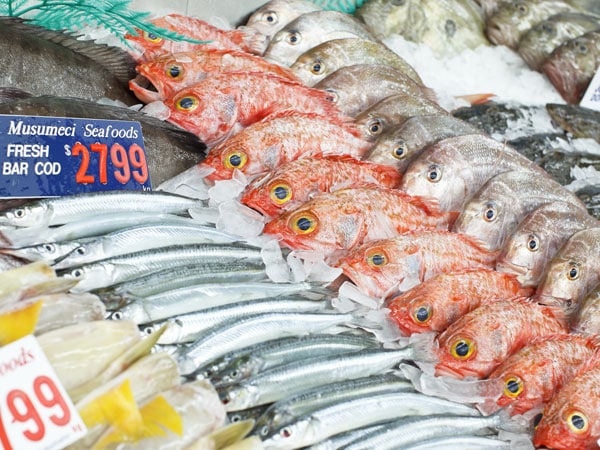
(128, 163)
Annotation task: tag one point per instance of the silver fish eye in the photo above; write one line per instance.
(293, 38)
(117, 315)
(434, 173)
(490, 214)
(270, 17)
(77, 273)
(286, 432)
(19, 213)
(533, 243)
(399, 152)
(264, 431)
(50, 248)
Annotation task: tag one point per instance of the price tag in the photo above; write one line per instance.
(55, 156)
(591, 98)
(35, 410)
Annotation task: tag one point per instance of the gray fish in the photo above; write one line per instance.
(447, 27)
(514, 18)
(572, 273)
(324, 59)
(572, 65)
(452, 170)
(587, 319)
(358, 87)
(297, 376)
(538, 43)
(45, 62)
(310, 30)
(169, 149)
(292, 407)
(344, 416)
(579, 121)
(393, 111)
(276, 14)
(399, 146)
(494, 212)
(539, 237)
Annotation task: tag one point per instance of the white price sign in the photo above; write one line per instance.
(591, 99)
(35, 410)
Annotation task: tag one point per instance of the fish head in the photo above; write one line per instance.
(286, 46)
(311, 68)
(537, 44)
(270, 194)
(235, 372)
(148, 45)
(238, 397)
(383, 266)
(392, 149)
(319, 224)
(415, 311)
(372, 124)
(525, 255)
(31, 215)
(294, 435)
(209, 115)
(462, 353)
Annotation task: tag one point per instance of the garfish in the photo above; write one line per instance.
(440, 300)
(297, 181)
(401, 145)
(539, 42)
(494, 212)
(447, 27)
(482, 339)
(221, 105)
(357, 87)
(311, 29)
(587, 319)
(538, 238)
(383, 266)
(572, 65)
(337, 418)
(579, 121)
(393, 111)
(169, 149)
(276, 14)
(324, 59)
(45, 62)
(163, 76)
(149, 46)
(570, 418)
(454, 169)
(571, 274)
(514, 18)
(343, 219)
(266, 145)
(530, 377)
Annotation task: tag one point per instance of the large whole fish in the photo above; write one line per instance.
(221, 105)
(311, 29)
(169, 149)
(447, 27)
(579, 121)
(539, 237)
(439, 301)
(345, 218)
(297, 181)
(383, 266)
(324, 59)
(46, 62)
(572, 66)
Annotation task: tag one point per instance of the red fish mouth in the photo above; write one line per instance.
(441, 369)
(563, 76)
(290, 241)
(145, 90)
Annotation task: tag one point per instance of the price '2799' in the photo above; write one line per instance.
(128, 163)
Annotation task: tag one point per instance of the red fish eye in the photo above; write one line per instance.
(537, 419)
(281, 193)
(422, 314)
(513, 387)
(174, 71)
(235, 160)
(304, 223)
(376, 258)
(187, 103)
(151, 37)
(578, 422)
(462, 349)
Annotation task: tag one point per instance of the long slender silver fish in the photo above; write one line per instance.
(253, 330)
(464, 443)
(301, 375)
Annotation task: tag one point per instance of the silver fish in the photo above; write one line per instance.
(48, 252)
(310, 30)
(324, 59)
(61, 210)
(464, 443)
(340, 440)
(358, 87)
(310, 373)
(374, 409)
(192, 326)
(253, 330)
(572, 273)
(539, 237)
(453, 169)
(494, 212)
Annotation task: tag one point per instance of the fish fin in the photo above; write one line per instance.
(351, 228)
(19, 323)
(476, 99)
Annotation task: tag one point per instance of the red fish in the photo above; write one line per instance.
(295, 182)
(382, 267)
(222, 104)
(533, 374)
(343, 219)
(439, 301)
(169, 74)
(571, 420)
(268, 144)
(482, 339)
(246, 40)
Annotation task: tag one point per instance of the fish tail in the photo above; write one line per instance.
(512, 424)
(19, 323)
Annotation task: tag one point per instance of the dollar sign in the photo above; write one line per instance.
(67, 150)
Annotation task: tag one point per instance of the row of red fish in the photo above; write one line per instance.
(389, 232)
